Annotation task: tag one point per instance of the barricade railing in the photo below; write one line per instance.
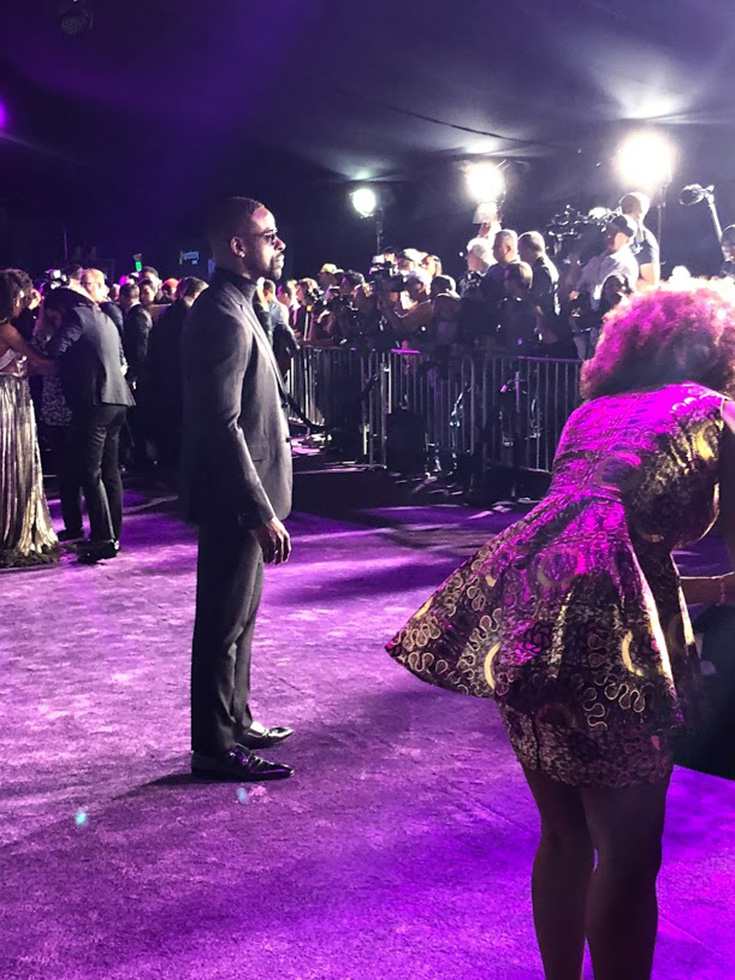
(499, 410)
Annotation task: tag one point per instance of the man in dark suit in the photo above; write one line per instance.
(87, 346)
(235, 484)
(161, 380)
(93, 280)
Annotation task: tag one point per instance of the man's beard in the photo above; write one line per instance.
(276, 268)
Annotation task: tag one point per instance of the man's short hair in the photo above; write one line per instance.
(481, 248)
(728, 235)
(64, 300)
(507, 235)
(533, 241)
(130, 290)
(97, 275)
(353, 277)
(269, 286)
(230, 216)
(521, 274)
(189, 286)
(443, 284)
(148, 270)
(73, 270)
(635, 201)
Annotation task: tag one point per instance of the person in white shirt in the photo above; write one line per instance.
(617, 259)
(644, 246)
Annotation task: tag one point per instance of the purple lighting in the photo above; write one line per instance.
(3, 115)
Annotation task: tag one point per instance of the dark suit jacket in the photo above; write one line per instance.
(87, 346)
(137, 326)
(236, 450)
(115, 314)
(162, 375)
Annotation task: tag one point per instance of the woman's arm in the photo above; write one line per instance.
(15, 341)
(720, 589)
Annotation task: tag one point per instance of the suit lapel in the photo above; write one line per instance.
(259, 334)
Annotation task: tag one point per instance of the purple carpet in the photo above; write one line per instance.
(400, 850)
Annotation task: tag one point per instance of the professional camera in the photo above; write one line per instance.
(52, 279)
(572, 230)
(384, 276)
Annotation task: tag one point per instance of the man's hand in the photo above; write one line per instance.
(274, 541)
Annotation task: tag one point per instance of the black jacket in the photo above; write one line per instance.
(87, 346)
(236, 451)
(136, 331)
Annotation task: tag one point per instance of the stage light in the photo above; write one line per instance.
(485, 181)
(3, 116)
(645, 161)
(75, 17)
(364, 201)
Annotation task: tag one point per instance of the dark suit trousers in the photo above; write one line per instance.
(229, 587)
(69, 481)
(96, 434)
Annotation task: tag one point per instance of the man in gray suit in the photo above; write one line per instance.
(236, 485)
(87, 346)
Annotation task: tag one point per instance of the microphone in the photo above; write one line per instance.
(694, 193)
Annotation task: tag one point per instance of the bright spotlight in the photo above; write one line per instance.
(364, 201)
(485, 181)
(646, 160)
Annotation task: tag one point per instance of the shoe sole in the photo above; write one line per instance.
(263, 746)
(210, 776)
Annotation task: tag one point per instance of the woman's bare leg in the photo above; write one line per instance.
(561, 876)
(622, 912)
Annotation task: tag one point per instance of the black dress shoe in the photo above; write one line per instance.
(260, 737)
(90, 552)
(238, 764)
(71, 536)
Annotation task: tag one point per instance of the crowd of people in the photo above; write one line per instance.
(119, 401)
(573, 619)
(511, 296)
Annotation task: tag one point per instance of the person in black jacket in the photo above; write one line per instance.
(93, 280)
(137, 326)
(87, 346)
(236, 485)
(161, 381)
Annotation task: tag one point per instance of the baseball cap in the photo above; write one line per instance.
(623, 223)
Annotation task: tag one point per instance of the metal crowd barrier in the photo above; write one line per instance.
(499, 410)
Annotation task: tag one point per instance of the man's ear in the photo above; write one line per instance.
(237, 246)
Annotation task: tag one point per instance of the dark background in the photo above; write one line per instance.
(118, 138)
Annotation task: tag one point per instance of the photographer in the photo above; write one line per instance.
(617, 258)
(345, 323)
(419, 319)
(307, 296)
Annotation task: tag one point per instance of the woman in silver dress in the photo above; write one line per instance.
(26, 534)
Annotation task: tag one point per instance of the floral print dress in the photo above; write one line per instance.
(573, 618)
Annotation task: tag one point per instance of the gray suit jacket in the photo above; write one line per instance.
(87, 346)
(236, 450)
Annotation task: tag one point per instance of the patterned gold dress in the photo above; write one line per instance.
(573, 618)
(27, 535)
